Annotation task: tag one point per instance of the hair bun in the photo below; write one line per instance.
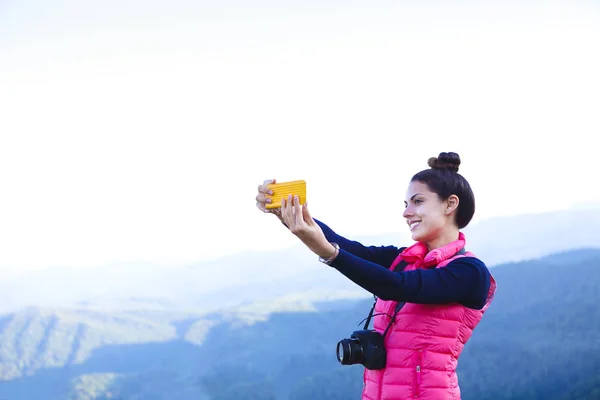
(445, 161)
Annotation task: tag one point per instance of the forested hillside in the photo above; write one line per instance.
(540, 339)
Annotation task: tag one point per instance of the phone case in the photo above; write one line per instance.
(283, 189)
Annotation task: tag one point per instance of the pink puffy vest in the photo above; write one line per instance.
(424, 343)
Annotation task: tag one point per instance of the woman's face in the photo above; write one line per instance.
(427, 216)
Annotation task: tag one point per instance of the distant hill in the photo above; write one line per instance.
(248, 277)
(539, 340)
(528, 236)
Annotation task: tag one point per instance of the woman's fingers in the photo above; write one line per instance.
(298, 211)
(264, 187)
(285, 212)
(262, 197)
(308, 219)
(292, 214)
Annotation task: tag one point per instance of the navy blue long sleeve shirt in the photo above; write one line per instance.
(465, 280)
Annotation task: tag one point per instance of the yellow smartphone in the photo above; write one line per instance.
(283, 189)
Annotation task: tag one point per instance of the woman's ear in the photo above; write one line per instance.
(451, 204)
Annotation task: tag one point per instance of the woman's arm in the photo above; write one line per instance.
(465, 280)
(317, 236)
(381, 255)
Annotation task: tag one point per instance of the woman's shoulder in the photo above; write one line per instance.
(473, 270)
(472, 267)
(470, 258)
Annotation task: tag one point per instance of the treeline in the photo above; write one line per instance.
(539, 340)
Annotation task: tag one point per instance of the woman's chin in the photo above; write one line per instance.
(416, 236)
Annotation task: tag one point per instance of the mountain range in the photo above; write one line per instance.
(264, 325)
(539, 340)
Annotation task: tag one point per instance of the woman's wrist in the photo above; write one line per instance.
(329, 253)
(333, 252)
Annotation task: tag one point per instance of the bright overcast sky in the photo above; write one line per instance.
(139, 130)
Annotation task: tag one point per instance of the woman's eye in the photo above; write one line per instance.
(418, 201)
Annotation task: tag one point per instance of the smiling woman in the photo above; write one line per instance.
(430, 296)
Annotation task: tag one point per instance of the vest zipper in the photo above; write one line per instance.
(418, 368)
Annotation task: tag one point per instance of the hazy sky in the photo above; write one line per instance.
(139, 130)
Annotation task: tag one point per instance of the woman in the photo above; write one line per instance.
(432, 302)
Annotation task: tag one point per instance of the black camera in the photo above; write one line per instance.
(364, 347)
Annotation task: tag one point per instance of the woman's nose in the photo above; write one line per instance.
(407, 212)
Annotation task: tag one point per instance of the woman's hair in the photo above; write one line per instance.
(444, 180)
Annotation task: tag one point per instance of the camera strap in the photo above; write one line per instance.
(401, 265)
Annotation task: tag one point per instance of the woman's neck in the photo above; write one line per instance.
(449, 235)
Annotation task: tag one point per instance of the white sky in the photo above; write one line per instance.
(139, 130)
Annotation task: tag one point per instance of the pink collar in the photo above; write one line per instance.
(417, 253)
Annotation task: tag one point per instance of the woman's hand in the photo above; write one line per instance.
(301, 224)
(262, 199)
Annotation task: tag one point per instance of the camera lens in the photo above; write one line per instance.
(341, 351)
(349, 351)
